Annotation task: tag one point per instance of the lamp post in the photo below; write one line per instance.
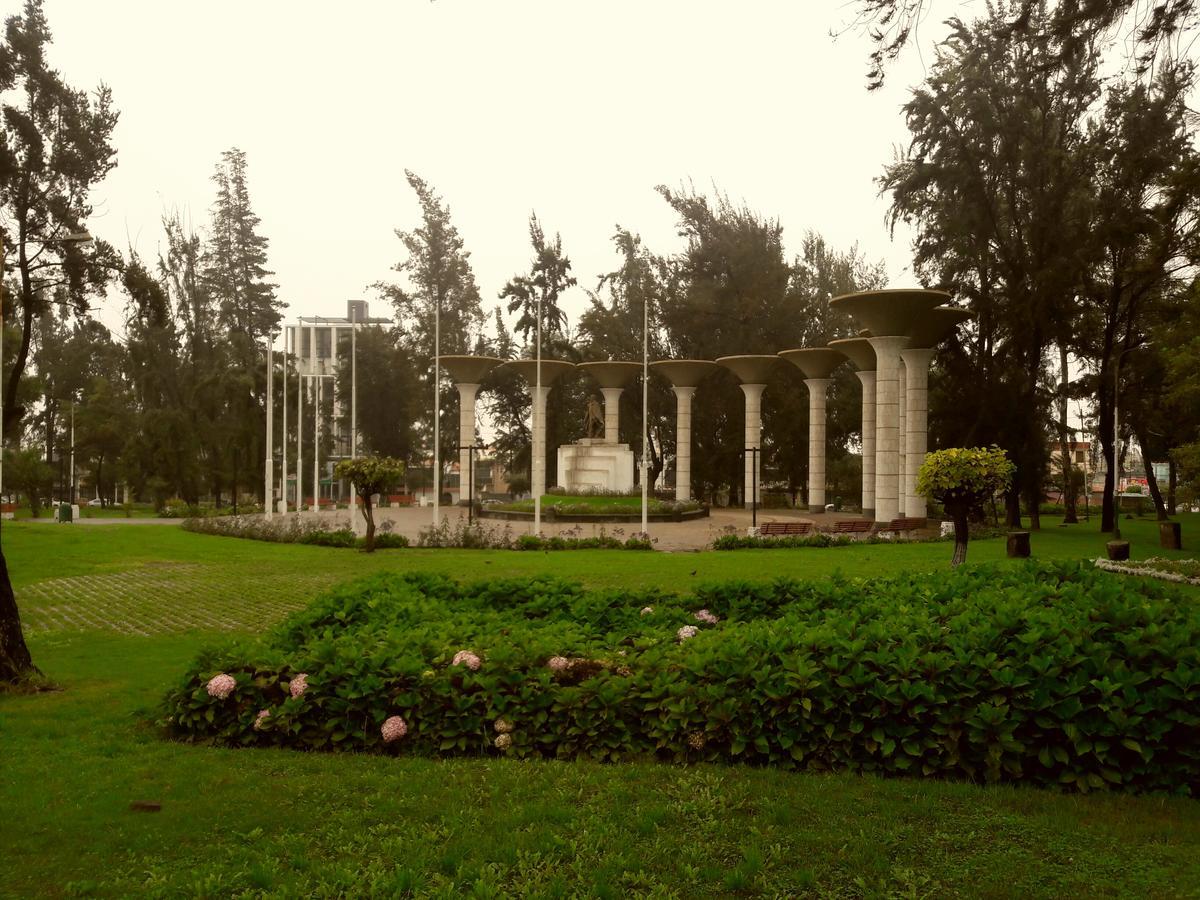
(470, 448)
(75, 237)
(1116, 466)
(71, 497)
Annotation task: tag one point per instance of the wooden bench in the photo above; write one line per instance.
(852, 526)
(898, 526)
(772, 528)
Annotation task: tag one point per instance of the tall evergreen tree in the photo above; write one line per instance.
(55, 145)
(438, 294)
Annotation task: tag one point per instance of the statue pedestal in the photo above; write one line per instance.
(597, 464)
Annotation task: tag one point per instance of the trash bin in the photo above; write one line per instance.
(64, 512)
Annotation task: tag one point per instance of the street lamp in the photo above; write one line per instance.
(1116, 466)
(75, 237)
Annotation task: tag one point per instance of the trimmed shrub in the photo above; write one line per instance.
(1049, 674)
(289, 530)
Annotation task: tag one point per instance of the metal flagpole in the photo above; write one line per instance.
(317, 443)
(269, 467)
(437, 403)
(538, 464)
(283, 503)
(645, 413)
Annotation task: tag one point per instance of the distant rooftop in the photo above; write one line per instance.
(356, 313)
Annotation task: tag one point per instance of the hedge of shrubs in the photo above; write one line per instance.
(1050, 674)
(290, 530)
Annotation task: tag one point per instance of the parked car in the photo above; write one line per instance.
(95, 501)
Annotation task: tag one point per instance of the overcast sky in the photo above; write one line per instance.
(505, 106)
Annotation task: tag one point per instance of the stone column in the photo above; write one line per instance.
(612, 414)
(466, 437)
(916, 363)
(817, 388)
(683, 442)
(901, 407)
(887, 426)
(539, 440)
(753, 394)
(868, 442)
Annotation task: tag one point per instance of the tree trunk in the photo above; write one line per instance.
(1070, 506)
(1160, 508)
(1105, 426)
(962, 534)
(1012, 506)
(1172, 475)
(369, 515)
(15, 661)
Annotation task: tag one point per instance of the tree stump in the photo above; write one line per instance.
(1018, 545)
(1117, 550)
(1170, 536)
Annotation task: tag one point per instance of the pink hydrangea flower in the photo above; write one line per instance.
(221, 686)
(298, 685)
(558, 663)
(261, 718)
(646, 610)
(393, 729)
(468, 659)
(502, 726)
(706, 617)
(503, 741)
(687, 631)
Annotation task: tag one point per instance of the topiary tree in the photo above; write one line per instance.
(962, 480)
(370, 475)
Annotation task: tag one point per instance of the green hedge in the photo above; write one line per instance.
(1040, 673)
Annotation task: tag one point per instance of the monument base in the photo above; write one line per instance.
(595, 464)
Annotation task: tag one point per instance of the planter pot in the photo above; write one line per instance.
(1117, 550)
(1170, 536)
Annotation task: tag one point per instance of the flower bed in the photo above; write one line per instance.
(1181, 571)
(1047, 674)
(291, 529)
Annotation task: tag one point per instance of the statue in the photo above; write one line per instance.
(593, 422)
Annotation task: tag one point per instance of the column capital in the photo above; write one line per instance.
(917, 357)
(867, 377)
(684, 393)
(753, 390)
(817, 385)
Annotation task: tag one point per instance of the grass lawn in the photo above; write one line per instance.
(114, 613)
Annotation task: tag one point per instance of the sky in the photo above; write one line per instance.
(573, 110)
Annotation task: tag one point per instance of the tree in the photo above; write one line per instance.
(233, 268)
(1151, 27)
(439, 287)
(962, 480)
(370, 475)
(388, 398)
(1141, 239)
(54, 147)
(996, 181)
(27, 472)
(549, 276)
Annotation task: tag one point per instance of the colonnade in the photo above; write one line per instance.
(892, 357)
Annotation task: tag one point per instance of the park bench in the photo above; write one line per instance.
(400, 500)
(852, 526)
(774, 528)
(902, 525)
